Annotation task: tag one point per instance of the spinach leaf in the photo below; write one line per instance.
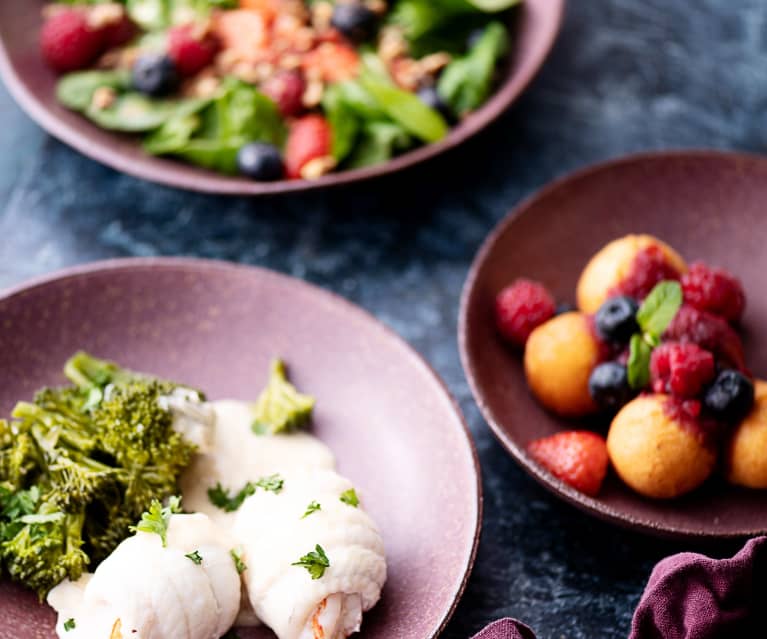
(133, 113)
(377, 143)
(343, 120)
(419, 17)
(155, 15)
(75, 90)
(466, 81)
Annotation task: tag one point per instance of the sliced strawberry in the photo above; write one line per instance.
(310, 138)
(578, 458)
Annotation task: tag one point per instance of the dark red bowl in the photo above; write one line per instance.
(391, 423)
(33, 85)
(709, 206)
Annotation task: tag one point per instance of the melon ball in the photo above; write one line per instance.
(657, 451)
(746, 458)
(559, 357)
(631, 265)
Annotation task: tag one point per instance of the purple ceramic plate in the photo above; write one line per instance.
(33, 86)
(707, 205)
(387, 416)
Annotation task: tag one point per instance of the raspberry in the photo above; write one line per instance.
(68, 42)
(650, 266)
(287, 91)
(681, 369)
(190, 48)
(310, 138)
(119, 32)
(578, 458)
(520, 308)
(714, 290)
(710, 332)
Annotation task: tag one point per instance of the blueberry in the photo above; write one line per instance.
(260, 161)
(155, 75)
(609, 385)
(431, 97)
(616, 319)
(565, 307)
(355, 21)
(730, 397)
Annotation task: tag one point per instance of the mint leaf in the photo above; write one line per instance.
(639, 362)
(660, 307)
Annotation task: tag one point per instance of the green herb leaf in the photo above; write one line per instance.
(377, 143)
(315, 562)
(220, 497)
(132, 112)
(660, 307)
(75, 90)
(350, 497)
(239, 564)
(639, 362)
(69, 624)
(272, 483)
(281, 408)
(195, 556)
(157, 518)
(313, 507)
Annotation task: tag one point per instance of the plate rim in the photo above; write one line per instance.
(203, 181)
(202, 264)
(557, 487)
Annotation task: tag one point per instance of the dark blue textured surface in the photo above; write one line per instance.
(626, 75)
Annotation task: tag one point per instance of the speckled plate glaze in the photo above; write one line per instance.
(390, 420)
(33, 86)
(707, 205)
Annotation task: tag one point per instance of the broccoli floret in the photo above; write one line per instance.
(281, 408)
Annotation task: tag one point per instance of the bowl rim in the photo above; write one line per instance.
(332, 298)
(556, 486)
(174, 173)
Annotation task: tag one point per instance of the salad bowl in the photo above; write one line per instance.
(534, 28)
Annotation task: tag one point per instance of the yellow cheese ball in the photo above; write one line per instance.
(655, 453)
(611, 265)
(559, 357)
(746, 458)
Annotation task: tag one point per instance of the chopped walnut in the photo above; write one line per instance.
(392, 44)
(205, 85)
(318, 167)
(313, 93)
(123, 58)
(289, 61)
(322, 14)
(103, 98)
(102, 15)
(378, 7)
(434, 63)
(406, 73)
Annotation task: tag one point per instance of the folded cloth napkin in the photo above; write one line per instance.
(691, 596)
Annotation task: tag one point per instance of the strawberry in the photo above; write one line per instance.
(191, 48)
(287, 91)
(578, 458)
(310, 138)
(68, 42)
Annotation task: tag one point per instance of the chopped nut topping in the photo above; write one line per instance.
(313, 93)
(392, 44)
(203, 86)
(318, 167)
(322, 13)
(377, 6)
(103, 98)
(434, 63)
(103, 15)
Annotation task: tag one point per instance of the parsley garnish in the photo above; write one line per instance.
(69, 624)
(239, 564)
(315, 562)
(313, 507)
(195, 556)
(656, 313)
(157, 518)
(220, 497)
(350, 497)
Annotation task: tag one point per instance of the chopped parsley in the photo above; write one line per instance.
(315, 562)
(350, 497)
(195, 556)
(156, 519)
(220, 497)
(239, 564)
(313, 507)
(69, 624)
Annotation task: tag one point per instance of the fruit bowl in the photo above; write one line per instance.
(33, 85)
(707, 205)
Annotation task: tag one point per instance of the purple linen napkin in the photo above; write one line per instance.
(691, 596)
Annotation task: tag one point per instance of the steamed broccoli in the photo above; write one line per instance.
(80, 464)
(281, 408)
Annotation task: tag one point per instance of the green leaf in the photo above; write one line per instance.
(272, 483)
(69, 624)
(315, 562)
(220, 497)
(312, 508)
(638, 365)
(467, 81)
(407, 109)
(350, 498)
(493, 6)
(419, 17)
(343, 121)
(157, 518)
(75, 90)
(378, 142)
(660, 307)
(195, 556)
(132, 113)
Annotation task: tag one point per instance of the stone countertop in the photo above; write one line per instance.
(626, 75)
